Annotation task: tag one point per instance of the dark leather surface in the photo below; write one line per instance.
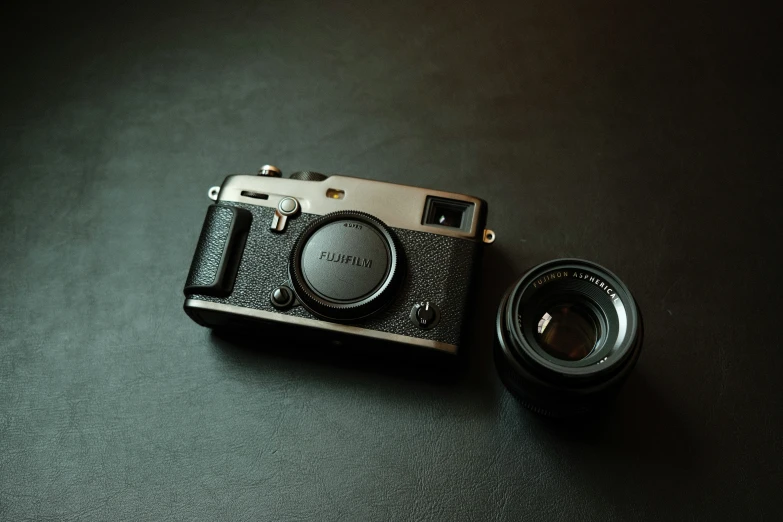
(638, 135)
(432, 263)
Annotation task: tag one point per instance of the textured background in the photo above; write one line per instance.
(641, 136)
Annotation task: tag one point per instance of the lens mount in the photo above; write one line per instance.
(346, 266)
(567, 334)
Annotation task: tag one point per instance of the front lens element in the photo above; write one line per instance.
(568, 332)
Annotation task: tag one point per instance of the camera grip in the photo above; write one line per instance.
(219, 251)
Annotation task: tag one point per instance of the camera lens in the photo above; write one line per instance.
(568, 334)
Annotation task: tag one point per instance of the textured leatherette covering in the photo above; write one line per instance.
(439, 269)
(219, 249)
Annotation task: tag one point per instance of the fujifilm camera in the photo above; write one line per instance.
(341, 258)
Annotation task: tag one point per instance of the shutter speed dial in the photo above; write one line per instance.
(425, 315)
(308, 175)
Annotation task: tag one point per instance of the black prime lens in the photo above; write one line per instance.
(568, 334)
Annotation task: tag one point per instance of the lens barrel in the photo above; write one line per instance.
(568, 334)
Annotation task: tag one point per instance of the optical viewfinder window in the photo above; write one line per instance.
(448, 213)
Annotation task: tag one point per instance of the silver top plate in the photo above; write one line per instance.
(399, 206)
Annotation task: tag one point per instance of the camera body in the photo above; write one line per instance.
(339, 258)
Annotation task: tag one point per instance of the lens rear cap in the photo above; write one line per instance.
(346, 266)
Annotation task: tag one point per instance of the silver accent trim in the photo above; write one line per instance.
(321, 325)
(281, 216)
(213, 193)
(288, 212)
(270, 171)
(399, 206)
(489, 236)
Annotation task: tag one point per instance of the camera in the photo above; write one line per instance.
(339, 258)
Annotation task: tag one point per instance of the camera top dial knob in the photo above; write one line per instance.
(308, 175)
(270, 171)
(346, 266)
